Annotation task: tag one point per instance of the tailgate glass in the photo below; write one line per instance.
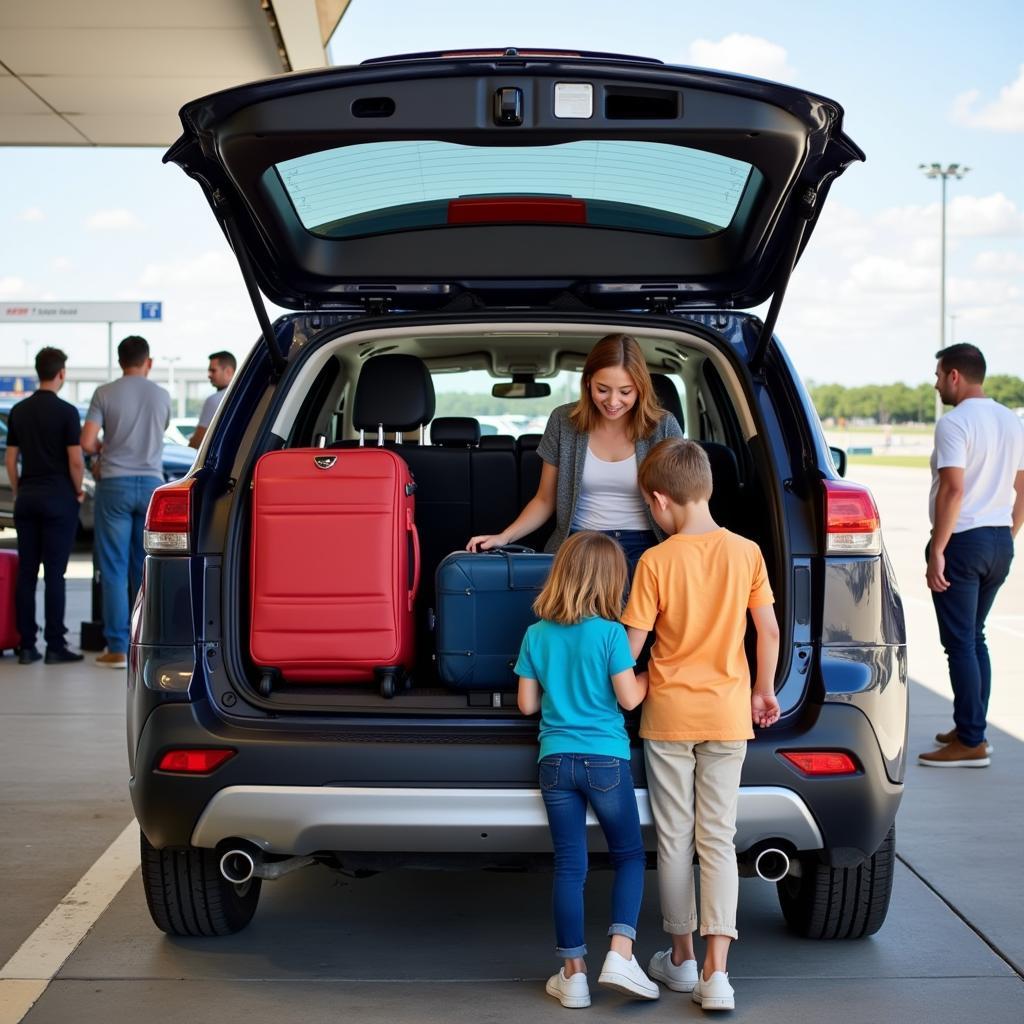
(379, 187)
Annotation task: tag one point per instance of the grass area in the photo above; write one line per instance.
(876, 428)
(916, 461)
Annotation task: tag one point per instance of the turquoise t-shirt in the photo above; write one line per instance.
(574, 666)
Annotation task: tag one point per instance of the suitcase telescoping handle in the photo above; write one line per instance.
(415, 536)
(506, 551)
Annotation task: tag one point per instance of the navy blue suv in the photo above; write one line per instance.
(494, 213)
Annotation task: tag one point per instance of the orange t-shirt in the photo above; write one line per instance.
(694, 590)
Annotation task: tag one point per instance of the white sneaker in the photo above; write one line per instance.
(679, 979)
(714, 994)
(627, 976)
(572, 992)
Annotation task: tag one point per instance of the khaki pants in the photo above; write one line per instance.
(694, 789)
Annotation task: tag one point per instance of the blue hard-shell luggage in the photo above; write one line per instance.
(484, 606)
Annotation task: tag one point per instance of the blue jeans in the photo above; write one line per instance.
(977, 563)
(121, 504)
(568, 782)
(46, 519)
(633, 543)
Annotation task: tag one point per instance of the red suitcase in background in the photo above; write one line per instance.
(335, 566)
(10, 639)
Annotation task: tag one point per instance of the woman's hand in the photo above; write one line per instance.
(486, 541)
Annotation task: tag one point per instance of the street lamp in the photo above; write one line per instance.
(171, 360)
(943, 174)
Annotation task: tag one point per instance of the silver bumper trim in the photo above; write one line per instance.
(300, 820)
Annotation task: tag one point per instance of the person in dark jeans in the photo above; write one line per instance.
(977, 508)
(44, 430)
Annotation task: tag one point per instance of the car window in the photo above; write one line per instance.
(375, 187)
(468, 393)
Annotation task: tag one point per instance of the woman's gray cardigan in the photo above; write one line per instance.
(564, 447)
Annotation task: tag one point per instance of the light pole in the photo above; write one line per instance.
(943, 174)
(171, 360)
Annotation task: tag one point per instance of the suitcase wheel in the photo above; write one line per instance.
(387, 679)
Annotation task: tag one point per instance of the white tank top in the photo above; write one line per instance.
(610, 497)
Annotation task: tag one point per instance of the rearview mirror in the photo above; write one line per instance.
(839, 460)
(521, 386)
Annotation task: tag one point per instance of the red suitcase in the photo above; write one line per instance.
(335, 566)
(9, 637)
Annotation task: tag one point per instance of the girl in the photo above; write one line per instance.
(591, 450)
(573, 666)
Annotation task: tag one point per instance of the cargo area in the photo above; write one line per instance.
(387, 389)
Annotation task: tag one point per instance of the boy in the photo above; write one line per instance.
(694, 591)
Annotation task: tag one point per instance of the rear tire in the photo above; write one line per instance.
(840, 903)
(187, 895)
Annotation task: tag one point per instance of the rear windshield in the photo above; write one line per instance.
(376, 187)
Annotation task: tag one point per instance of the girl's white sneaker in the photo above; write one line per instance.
(679, 979)
(627, 976)
(573, 992)
(715, 993)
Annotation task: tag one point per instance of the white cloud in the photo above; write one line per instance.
(748, 55)
(11, 287)
(981, 216)
(113, 220)
(61, 263)
(213, 268)
(1000, 262)
(888, 274)
(1005, 114)
(31, 213)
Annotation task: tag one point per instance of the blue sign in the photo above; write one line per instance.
(151, 311)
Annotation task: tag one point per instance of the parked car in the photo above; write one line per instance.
(501, 211)
(177, 461)
(180, 430)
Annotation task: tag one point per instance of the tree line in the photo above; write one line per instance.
(900, 403)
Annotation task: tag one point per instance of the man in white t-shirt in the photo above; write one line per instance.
(976, 508)
(220, 371)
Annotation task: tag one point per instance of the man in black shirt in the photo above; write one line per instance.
(45, 429)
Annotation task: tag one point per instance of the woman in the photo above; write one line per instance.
(591, 450)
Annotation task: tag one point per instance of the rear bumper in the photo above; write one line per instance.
(416, 786)
(303, 820)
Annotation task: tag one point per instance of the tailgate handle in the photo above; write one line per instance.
(508, 106)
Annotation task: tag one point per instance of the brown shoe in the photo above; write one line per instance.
(956, 755)
(112, 659)
(949, 737)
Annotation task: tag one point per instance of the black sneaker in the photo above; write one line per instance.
(27, 655)
(61, 656)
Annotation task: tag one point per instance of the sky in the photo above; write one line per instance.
(919, 82)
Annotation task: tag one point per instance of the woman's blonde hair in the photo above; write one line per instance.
(588, 578)
(619, 350)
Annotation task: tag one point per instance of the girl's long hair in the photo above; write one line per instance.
(619, 350)
(587, 578)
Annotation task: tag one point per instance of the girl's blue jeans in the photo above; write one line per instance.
(568, 782)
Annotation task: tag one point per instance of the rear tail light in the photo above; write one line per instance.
(852, 526)
(169, 519)
(194, 761)
(821, 762)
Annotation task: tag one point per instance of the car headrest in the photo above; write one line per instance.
(668, 397)
(498, 442)
(455, 432)
(393, 391)
(528, 442)
(725, 471)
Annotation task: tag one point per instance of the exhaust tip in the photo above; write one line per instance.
(772, 864)
(237, 866)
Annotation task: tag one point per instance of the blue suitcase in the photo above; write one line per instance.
(484, 606)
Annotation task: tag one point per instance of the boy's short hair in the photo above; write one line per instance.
(49, 362)
(678, 469)
(133, 351)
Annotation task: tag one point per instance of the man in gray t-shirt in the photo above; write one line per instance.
(133, 414)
